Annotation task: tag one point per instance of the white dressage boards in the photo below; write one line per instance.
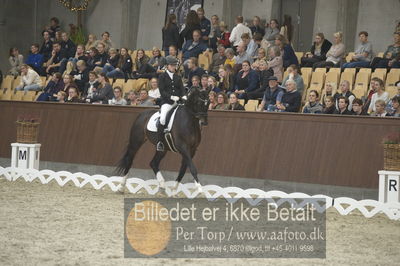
(343, 205)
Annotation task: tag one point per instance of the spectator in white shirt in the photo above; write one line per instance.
(154, 92)
(380, 94)
(252, 46)
(30, 80)
(237, 32)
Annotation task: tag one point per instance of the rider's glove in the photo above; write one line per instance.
(184, 98)
(175, 98)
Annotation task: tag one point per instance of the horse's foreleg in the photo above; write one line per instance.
(121, 187)
(155, 165)
(193, 170)
(182, 172)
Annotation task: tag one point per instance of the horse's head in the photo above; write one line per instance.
(198, 102)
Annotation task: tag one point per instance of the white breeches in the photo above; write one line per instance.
(165, 108)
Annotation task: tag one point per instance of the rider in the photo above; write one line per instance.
(171, 89)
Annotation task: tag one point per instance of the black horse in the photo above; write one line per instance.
(185, 132)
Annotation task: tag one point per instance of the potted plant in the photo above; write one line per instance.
(391, 151)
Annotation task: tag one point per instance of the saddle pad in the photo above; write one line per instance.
(152, 124)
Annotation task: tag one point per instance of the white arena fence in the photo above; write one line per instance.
(343, 205)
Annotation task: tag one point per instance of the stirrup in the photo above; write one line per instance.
(160, 146)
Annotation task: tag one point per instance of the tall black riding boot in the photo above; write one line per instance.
(160, 134)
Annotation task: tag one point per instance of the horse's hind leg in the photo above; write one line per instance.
(155, 165)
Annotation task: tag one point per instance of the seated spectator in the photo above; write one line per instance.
(257, 27)
(215, 33)
(142, 67)
(218, 59)
(237, 32)
(335, 54)
(204, 83)
(329, 90)
(291, 99)
(242, 55)
(343, 106)
(205, 25)
(68, 82)
(363, 54)
(345, 92)
(123, 68)
(391, 57)
(173, 51)
(212, 97)
(47, 46)
(53, 28)
(193, 48)
(247, 81)
(395, 106)
(101, 57)
(226, 79)
(192, 23)
(212, 84)
(380, 109)
(194, 70)
(118, 99)
(265, 73)
(144, 99)
(275, 62)
(91, 43)
(157, 61)
(313, 106)
(58, 56)
(288, 55)
(111, 62)
(380, 94)
(68, 45)
(318, 52)
(55, 85)
(271, 31)
(389, 106)
(230, 57)
(92, 58)
(358, 107)
(251, 45)
(293, 74)
(81, 76)
(16, 60)
(330, 107)
(234, 103)
(61, 95)
(105, 39)
(30, 80)
(223, 39)
(222, 101)
(153, 91)
(73, 96)
(132, 98)
(91, 86)
(261, 55)
(195, 82)
(170, 34)
(103, 93)
(79, 54)
(35, 60)
(58, 37)
(272, 96)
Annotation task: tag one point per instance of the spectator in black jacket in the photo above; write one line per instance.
(102, 57)
(91, 86)
(257, 27)
(68, 45)
(112, 61)
(330, 107)
(170, 34)
(47, 46)
(291, 99)
(81, 76)
(192, 24)
(194, 70)
(53, 28)
(343, 103)
(318, 51)
(123, 68)
(58, 56)
(234, 103)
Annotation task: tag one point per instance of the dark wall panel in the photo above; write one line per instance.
(320, 149)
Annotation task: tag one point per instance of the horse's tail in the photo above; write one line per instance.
(136, 140)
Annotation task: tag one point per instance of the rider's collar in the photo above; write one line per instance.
(170, 74)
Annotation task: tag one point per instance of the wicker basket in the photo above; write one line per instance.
(27, 132)
(391, 156)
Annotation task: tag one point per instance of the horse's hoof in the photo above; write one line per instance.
(198, 187)
(161, 184)
(121, 189)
